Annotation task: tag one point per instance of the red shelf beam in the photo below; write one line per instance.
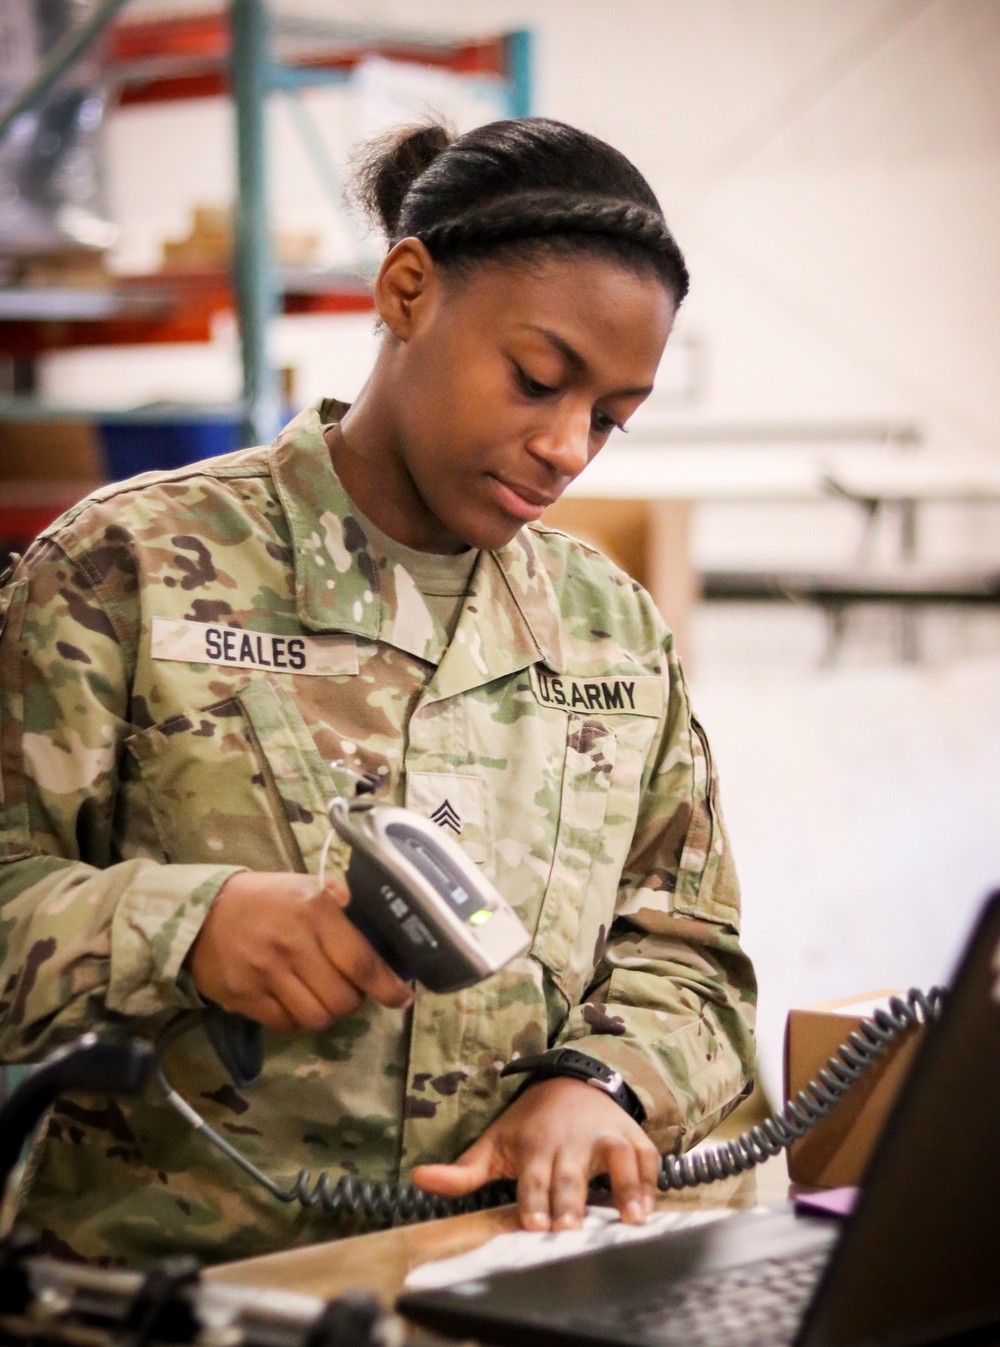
(166, 307)
(27, 508)
(187, 57)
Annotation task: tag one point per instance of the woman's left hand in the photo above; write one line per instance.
(552, 1139)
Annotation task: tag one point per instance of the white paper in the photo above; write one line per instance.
(602, 1227)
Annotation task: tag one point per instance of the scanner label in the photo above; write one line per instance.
(606, 694)
(237, 648)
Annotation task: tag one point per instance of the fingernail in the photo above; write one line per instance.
(568, 1222)
(536, 1220)
(635, 1211)
(649, 1202)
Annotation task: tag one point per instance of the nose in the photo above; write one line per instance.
(564, 444)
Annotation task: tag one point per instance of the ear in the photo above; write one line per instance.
(406, 284)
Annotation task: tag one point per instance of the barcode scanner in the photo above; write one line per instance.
(417, 898)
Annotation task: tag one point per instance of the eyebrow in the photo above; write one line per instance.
(573, 356)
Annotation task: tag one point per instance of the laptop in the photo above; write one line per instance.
(918, 1260)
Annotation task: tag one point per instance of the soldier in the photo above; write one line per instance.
(193, 662)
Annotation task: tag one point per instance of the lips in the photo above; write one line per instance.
(524, 502)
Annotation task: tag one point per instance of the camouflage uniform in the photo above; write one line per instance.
(191, 664)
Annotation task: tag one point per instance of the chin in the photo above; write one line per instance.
(489, 535)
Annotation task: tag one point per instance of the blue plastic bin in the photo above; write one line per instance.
(131, 447)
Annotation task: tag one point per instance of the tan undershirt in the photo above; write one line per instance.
(441, 578)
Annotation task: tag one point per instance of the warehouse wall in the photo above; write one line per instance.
(863, 805)
(832, 170)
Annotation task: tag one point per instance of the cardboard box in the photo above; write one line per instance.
(209, 243)
(835, 1152)
(50, 451)
(649, 539)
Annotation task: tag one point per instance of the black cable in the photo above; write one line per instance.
(812, 1103)
(356, 1205)
(353, 1205)
(88, 1063)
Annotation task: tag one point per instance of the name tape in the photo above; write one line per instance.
(607, 694)
(237, 648)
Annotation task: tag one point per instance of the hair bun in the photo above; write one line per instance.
(386, 167)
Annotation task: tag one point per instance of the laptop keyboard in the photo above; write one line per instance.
(752, 1305)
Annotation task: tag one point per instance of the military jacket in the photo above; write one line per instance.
(192, 663)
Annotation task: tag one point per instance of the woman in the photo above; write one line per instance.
(195, 661)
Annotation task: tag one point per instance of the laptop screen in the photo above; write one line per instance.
(922, 1254)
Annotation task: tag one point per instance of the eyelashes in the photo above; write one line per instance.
(535, 389)
(532, 388)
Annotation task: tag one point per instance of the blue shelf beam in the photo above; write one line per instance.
(254, 278)
(519, 72)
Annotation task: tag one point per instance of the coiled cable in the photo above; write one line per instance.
(358, 1205)
(353, 1205)
(812, 1103)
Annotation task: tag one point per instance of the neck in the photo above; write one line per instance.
(367, 453)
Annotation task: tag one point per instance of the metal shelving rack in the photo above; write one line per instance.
(243, 53)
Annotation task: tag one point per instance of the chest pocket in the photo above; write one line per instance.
(240, 782)
(577, 907)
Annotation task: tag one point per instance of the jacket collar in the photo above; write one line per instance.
(509, 619)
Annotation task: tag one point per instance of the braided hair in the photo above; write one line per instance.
(512, 190)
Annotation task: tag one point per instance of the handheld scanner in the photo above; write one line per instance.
(417, 899)
(420, 901)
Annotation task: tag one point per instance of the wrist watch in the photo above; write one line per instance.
(578, 1066)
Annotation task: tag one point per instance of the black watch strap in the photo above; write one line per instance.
(578, 1066)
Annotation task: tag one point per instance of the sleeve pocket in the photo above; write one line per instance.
(705, 887)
